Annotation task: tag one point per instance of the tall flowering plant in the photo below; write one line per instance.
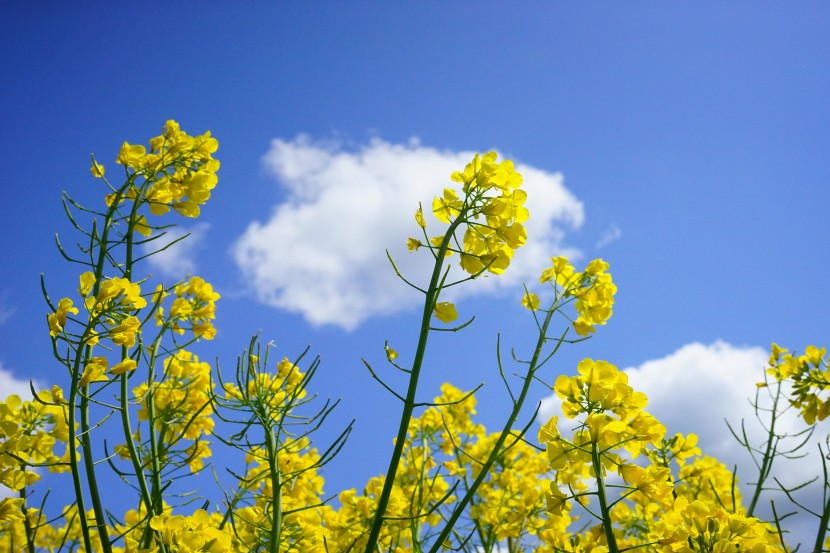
(602, 477)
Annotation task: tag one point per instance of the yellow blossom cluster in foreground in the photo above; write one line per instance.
(670, 497)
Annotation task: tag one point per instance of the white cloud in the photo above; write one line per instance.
(10, 384)
(177, 260)
(322, 251)
(609, 235)
(695, 388)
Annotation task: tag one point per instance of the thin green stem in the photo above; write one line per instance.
(818, 547)
(89, 467)
(825, 515)
(409, 403)
(769, 454)
(605, 512)
(73, 454)
(30, 532)
(89, 464)
(156, 506)
(276, 487)
(506, 431)
(134, 458)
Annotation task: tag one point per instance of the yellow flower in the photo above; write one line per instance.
(419, 218)
(204, 330)
(124, 366)
(556, 501)
(124, 333)
(97, 170)
(583, 329)
(131, 155)
(413, 244)
(447, 207)
(87, 282)
(815, 355)
(57, 320)
(94, 371)
(130, 293)
(10, 509)
(445, 312)
(530, 301)
(775, 355)
(142, 227)
(57, 394)
(391, 354)
(188, 208)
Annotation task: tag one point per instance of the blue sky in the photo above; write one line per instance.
(685, 143)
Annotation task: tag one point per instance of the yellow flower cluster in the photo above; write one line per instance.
(614, 418)
(492, 207)
(525, 501)
(197, 533)
(707, 479)
(57, 320)
(271, 389)
(179, 171)
(511, 502)
(416, 495)
(117, 298)
(492, 189)
(707, 526)
(181, 399)
(702, 512)
(593, 291)
(300, 525)
(29, 431)
(194, 306)
(810, 377)
(114, 294)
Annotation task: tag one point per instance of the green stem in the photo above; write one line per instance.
(766, 464)
(409, 403)
(825, 515)
(603, 500)
(156, 507)
(30, 532)
(276, 488)
(73, 455)
(506, 431)
(822, 529)
(134, 458)
(89, 466)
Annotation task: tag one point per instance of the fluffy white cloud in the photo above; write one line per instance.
(322, 251)
(698, 387)
(10, 384)
(178, 260)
